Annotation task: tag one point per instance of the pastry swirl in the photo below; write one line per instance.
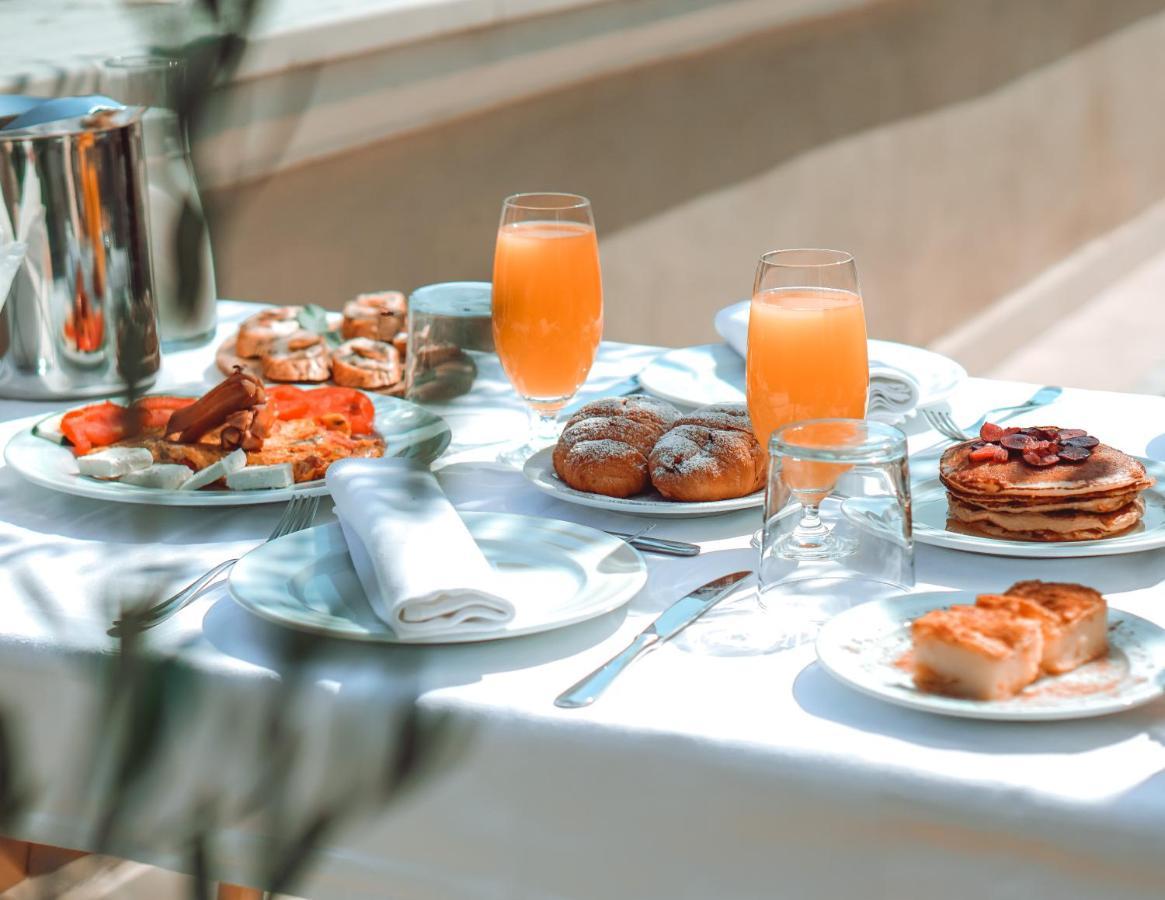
(710, 454)
(605, 446)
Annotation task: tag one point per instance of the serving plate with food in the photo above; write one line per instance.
(638, 455)
(1039, 651)
(363, 347)
(239, 443)
(1041, 491)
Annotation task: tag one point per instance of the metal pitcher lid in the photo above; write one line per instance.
(35, 117)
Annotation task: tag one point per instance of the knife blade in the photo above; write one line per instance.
(667, 625)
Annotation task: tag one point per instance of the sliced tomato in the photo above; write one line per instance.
(289, 402)
(98, 425)
(155, 412)
(353, 405)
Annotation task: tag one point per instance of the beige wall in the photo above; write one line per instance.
(957, 147)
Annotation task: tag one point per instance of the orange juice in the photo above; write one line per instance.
(811, 479)
(806, 357)
(547, 307)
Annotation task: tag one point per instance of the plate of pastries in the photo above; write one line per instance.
(1040, 491)
(1038, 651)
(363, 348)
(639, 455)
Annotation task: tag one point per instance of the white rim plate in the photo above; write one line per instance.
(861, 646)
(714, 373)
(557, 573)
(539, 470)
(409, 431)
(929, 517)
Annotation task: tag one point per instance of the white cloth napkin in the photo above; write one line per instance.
(894, 392)
(416, 560)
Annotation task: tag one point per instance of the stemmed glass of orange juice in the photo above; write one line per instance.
(547, 305)
(807, 359)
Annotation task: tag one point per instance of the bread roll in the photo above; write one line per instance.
(375, 316)
(710, 454)
(605, 445)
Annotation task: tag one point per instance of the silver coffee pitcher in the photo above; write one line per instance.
(79, 318)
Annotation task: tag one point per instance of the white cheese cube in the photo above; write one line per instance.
(50, 429)
(232, 462)
(114, 462)
(254, 478)
(164, 476)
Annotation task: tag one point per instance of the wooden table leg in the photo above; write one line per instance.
(235, 892)
(13, 862)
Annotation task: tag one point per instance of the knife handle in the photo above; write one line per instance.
(585, 691)
(662, 545)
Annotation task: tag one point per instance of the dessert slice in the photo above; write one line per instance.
(974, 652)
(1018, 608)
(1080, 613)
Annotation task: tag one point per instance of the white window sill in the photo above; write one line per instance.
(322, 77)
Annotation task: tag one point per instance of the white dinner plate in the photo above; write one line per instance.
(714, 373)
(539, 470)
(929, 514)
(864, 648)
(556, 573)
(408, 431)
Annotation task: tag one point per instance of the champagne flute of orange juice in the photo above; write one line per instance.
(807, 359)
(547, 305)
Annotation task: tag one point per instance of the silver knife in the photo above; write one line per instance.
(671, 622)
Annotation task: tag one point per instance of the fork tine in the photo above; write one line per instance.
(315, 508)
(956, 431)
(310, 508)
(942, 422)
(307, 512)
(948, 423)
(933, 420)
(289, 514)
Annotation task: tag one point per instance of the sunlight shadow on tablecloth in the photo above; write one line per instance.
(235, 632)
(981, 574)
(39, 509)
(820, 695)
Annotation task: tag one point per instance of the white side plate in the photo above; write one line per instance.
(539, 470)
(714, 373)
(408, 430)
(863, 647)
(929, 508)
(556, 573)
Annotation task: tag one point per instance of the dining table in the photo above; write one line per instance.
(699, 773)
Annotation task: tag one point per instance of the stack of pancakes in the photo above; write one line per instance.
(1097, 497)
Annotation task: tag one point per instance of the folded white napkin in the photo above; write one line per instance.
(894, 392)
(416, 560)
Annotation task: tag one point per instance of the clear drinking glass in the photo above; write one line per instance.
(547, 305)
(448, 329)
(187, 313)
(807, 355)
(839, 489)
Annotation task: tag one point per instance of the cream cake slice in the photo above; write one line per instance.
(975, 652)
(1080, 614)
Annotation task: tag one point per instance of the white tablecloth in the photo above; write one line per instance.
(696, 776)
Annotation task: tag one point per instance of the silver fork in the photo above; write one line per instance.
(942, 421)
(299, 514)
